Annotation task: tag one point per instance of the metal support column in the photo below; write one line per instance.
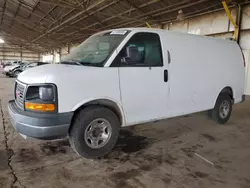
(21, 54)
(3, 53)
(68, 46)
(148, 25)
(238, 21)
(60, 54)
(236, 27)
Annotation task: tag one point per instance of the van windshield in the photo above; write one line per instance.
(95, 50)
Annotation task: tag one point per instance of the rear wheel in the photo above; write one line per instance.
(222, 110)
(94, 131)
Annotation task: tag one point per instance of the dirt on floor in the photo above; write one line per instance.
(185, 152)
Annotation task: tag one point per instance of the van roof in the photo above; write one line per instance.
(157, 30)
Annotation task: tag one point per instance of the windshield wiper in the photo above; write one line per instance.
(87, 63)
(70, 63)
(91, 64)
(77, 62)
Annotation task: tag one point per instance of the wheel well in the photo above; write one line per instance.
(103, 102)
(228, 90)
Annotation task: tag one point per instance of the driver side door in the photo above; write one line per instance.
(143, 79)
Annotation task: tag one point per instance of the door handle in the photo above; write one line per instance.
(165, 75)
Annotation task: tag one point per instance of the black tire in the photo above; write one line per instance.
(81, 123)
(215, 113)
(15, 74)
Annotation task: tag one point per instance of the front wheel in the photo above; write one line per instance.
(16, 73)
(222, 110)
(94, 131)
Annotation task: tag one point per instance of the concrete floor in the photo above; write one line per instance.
(162, 154)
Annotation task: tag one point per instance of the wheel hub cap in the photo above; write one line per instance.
(98, 133)
(224, 109)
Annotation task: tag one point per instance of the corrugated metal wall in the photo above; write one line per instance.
(14, 53)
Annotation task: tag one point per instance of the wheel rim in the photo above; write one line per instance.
(16, 73)
(98, 133)
(224, 109)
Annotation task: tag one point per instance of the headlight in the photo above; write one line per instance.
(46, 93)
(41, 98)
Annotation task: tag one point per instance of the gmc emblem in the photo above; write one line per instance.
(17, 93)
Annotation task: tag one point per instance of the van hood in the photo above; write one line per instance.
(47, 73)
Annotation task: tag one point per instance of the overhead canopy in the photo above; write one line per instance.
(40, 25)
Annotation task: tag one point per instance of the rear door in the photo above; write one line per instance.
(144, 80)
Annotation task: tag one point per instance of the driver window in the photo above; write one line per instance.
(142, 50)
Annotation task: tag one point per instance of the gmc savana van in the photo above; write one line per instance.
(124, 77)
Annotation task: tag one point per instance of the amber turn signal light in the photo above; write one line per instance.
(40, 107)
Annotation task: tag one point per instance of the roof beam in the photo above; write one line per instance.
(18, 7)
(135, 19)
(38, 7)
(163, 10)
(198, 12)
(28, 33)
(4, 6)
(33, 9)
(13, 2)
(95, 18)
(139, 10)
(91, 13)
(22, 22)
(61, 4)
(47, 13)
(11, 40)
(23, 36)
(68, 20)
(167, 9)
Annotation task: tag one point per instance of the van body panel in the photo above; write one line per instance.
(142, 84)
(85, 84)
(201, 67)
(198, 69)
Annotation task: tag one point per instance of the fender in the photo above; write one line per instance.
(108, 102)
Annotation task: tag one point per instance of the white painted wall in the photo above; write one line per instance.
(247, 71)
(208, 24)
(246, 18)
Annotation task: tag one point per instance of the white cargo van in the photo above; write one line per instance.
(125, 77)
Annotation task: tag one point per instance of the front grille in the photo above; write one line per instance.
(19, 94)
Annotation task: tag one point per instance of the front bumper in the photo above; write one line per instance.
(39, 125)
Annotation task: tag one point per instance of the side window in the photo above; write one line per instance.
(142, 50)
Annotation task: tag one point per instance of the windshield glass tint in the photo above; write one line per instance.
(95, 50)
